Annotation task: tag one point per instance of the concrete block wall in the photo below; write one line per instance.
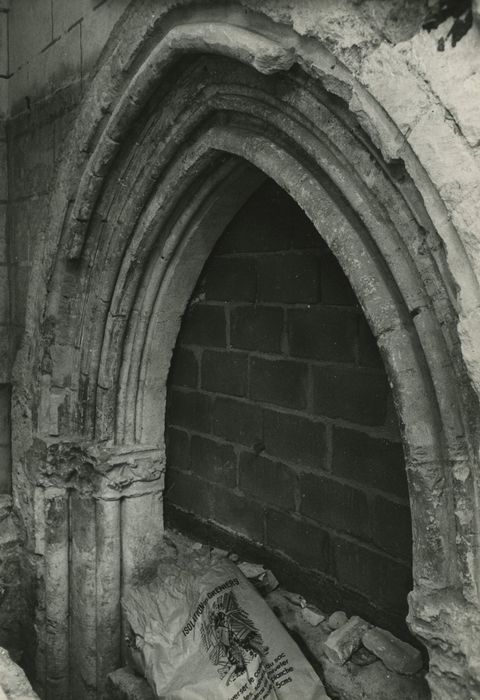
(280, 422)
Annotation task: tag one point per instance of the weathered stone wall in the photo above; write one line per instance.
(53, 48)
(48, 51)
(282, 426)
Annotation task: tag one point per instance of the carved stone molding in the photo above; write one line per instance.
(99, 472)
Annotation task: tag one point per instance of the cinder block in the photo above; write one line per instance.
(189, 409)
(189, 493)
(267, 481)
(237, 421)
(225, 372)
(335, 505)
(214, 461)
(280, 382)
(184, 368)
(306, 544)
(265, 224)
(350, 394)
(294, 439)
(257, 328)
(231, 279)
(289, 278)
(177, 449)
(375, 576)
(367, 460)
(239, 514)
(322, 334)
(392, 528)
(204, 325)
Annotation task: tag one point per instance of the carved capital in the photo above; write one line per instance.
(98, 471)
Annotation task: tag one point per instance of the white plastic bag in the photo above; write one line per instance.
(202, 632)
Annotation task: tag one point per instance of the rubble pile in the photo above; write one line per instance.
(354, 659)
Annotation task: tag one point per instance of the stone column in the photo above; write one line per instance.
(99, 520)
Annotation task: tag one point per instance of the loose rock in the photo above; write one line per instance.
(396, 655)
(312, 616)
(363, 657)
(295, 598)
(337, 619)
(341, 643)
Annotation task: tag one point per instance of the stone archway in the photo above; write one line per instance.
(163, 146)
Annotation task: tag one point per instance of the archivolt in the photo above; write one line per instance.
(166, 165)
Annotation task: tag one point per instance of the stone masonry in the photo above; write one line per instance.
(131, 134)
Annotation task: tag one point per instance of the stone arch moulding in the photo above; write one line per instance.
(180, 124)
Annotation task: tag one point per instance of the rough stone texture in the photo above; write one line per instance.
(13, 681)
(348, 681)
(337, 619)
(14, 610)
(414, 265)
(5, 441)
(342, 642)
(395, 654)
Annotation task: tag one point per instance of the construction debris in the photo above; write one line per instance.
(313, 616)
(337, 619)
(341, 643)
(396, 655)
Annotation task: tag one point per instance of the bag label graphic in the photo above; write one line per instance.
(230, 638)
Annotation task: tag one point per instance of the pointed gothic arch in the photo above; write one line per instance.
(172, 138)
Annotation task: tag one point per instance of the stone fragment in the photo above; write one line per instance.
(396, 655)
(263, 579)
(295, 598)
(251, 570)
(363, 657)
(341, 643)
(337, 619)
(13, 681)
(312, 616)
